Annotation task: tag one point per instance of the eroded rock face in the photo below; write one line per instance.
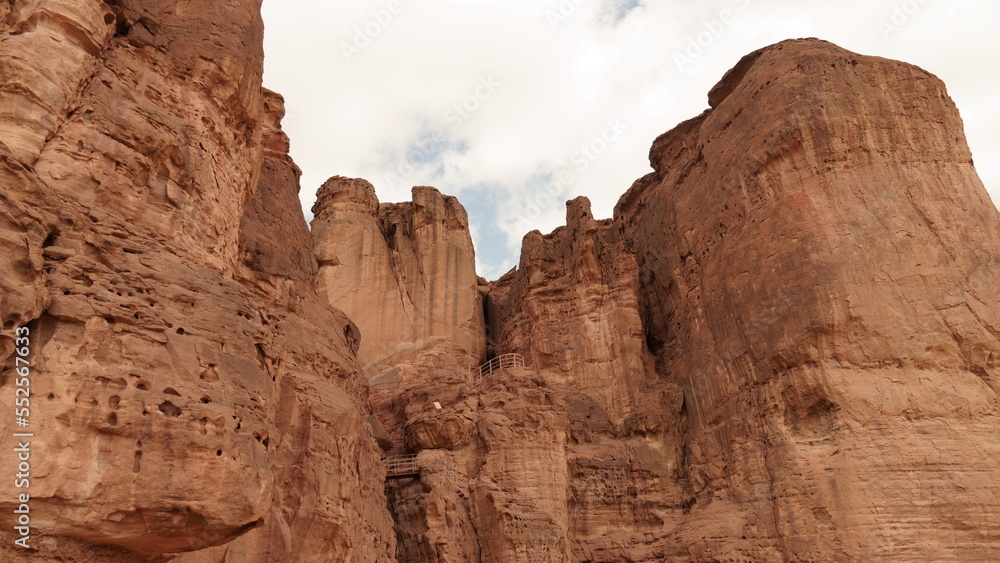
(405, 273)
(819, 264)
(189, 388)
(328, 503)
(539, 463)
(572, 310)
(493, 482)
(782, 347)
(274, 237)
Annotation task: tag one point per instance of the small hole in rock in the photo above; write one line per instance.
(171, 391)
(180, 331)
(206, 400)
(113, 419)
(218, 453)
(169, 409)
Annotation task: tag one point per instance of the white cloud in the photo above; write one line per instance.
(561, 69)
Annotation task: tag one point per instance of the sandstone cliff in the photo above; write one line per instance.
(562, 460)
(782, 347)
(405, 273)
(189, 387)
(819, 264)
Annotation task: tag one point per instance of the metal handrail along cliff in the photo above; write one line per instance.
(504, 361)
(401, 466)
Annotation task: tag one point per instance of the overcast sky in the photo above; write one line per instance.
(515, 106)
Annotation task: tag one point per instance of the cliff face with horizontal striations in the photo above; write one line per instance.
(189, 388)
(405, 272)
(782, 347)
(572, 309)
(819, 264)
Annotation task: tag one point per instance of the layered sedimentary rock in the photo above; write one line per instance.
(541, 463)
(404, 272)
(572, 310)
(274, 237)
(819, 272)
(327, 495)
(188, 386)
(782, 347)
(493, 482)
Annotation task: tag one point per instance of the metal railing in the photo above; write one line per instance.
(401, 466)
(498, 363)
(385, 385)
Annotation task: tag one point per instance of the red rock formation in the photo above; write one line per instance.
(783, 346)
(537, 464)
(572, 309)
(327, 500)
(274, 237)
(189, 388)
(819, 269)
(404, 272)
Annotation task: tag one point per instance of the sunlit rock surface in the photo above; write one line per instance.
(189, 388)
(782, 347)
